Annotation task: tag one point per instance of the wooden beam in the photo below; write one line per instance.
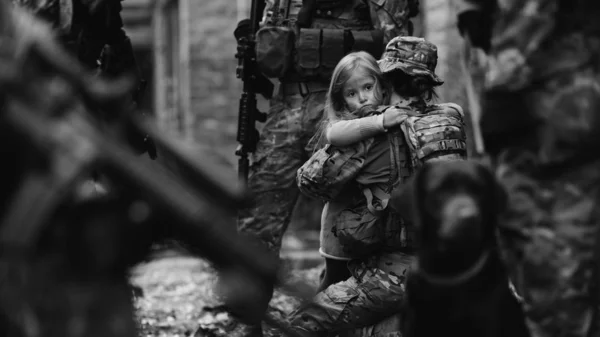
(160, 59)
(185, 97)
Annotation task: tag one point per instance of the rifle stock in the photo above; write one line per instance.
(201, 220)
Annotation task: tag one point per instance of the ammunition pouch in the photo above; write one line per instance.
(318, 51)
(370, 41)
(308, 52)
(325, 5)
(333, 49)
(274, 50)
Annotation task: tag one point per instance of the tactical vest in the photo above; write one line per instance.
(293, 47)
(437, 135)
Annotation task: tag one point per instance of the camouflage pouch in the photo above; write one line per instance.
(437, 135)
(329, 169)
(370, 41)
(362, 233)
(333, 49)
(308, 52)
(359, 231)
(274, 50)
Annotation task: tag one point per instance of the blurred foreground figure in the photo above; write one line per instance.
(541, 126)
(92, 30)
(64, 261)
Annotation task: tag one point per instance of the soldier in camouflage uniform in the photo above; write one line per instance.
(313, 35)
(326, 30)
(380, 243)
(541, 126)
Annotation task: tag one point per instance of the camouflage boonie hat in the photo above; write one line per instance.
(412, 55)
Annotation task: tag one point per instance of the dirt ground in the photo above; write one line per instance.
(178, 298)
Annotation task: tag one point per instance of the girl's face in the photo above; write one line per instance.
(360, 90)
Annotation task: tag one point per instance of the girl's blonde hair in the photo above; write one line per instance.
(335, 106)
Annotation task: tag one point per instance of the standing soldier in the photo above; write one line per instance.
(299, 43)
(541, 123)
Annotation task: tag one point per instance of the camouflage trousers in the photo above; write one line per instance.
(283, 147)
(368, 304)
(552, 263)
(553, 218)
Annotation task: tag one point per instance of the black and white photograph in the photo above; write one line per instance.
(299, 168)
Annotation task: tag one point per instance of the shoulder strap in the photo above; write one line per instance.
(400, 163)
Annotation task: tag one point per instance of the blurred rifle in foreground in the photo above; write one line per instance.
(54, 143)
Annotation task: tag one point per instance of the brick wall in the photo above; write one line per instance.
(214, 89)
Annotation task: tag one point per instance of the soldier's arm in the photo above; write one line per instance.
(392, 17)
(347, 132)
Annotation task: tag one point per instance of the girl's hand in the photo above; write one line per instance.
(395, 116)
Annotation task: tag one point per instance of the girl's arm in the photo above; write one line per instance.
(347, 132)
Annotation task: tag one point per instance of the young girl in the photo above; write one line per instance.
(409, 67)
(357, 87)
(356, 82)
(358, 231)
(357, 179)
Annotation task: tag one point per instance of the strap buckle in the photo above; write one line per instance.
(303, 89)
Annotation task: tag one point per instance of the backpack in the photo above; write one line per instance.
(324, 175)
(436, 135)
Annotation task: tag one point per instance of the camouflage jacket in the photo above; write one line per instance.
(535, 39)
(358, 214)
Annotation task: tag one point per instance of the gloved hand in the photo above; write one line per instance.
(477, 27)
(243, 29)
(394, 116)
